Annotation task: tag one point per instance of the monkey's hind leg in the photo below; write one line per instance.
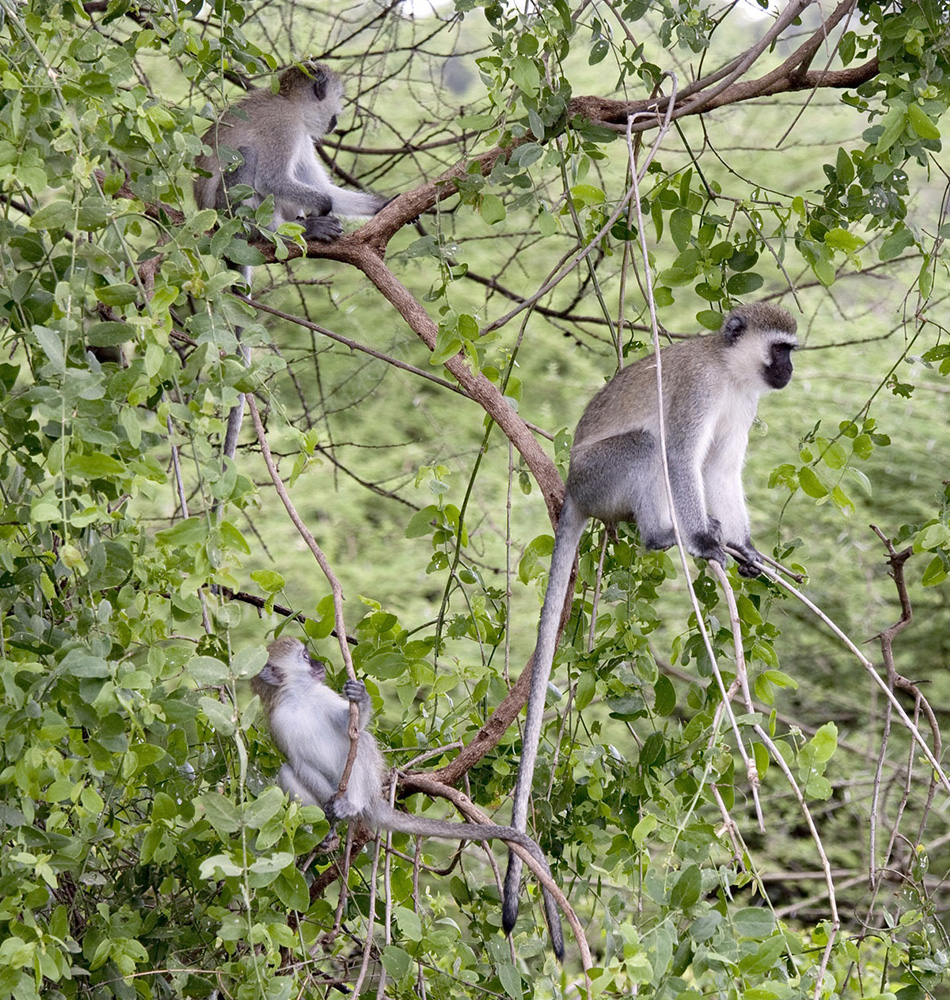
(324, 228)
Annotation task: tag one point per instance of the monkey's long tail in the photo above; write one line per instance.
(406, 823)
(569, 530)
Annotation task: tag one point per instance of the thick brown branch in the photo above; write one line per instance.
(478, 387)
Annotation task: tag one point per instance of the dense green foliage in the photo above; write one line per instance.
(145, 851)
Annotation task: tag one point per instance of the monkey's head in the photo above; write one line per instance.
(765, 335)
(318, 92)
(288, 662)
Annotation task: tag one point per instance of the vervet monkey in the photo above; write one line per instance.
(711, 388)
(309, 722)
(266, 143)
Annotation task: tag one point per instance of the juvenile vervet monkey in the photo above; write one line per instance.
(711, 388)
(309, 722)
(274, 136)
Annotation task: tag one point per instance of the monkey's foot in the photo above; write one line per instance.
(329, 843)
(325, 228)
(338, 809)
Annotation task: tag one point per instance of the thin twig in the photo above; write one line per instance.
(872, 672)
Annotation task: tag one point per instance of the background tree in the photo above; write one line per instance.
(415, 385)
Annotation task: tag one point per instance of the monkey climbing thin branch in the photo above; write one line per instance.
(354, 731)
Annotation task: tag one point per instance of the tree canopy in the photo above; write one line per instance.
(741, 787)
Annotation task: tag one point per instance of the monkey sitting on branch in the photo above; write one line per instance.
(265, 142)
(711, 389)
(274, 136)
(309, 722)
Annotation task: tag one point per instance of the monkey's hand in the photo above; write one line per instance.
(325, 228)
(355, 691)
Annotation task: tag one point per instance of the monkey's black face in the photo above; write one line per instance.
(317, 670)
(778, 372)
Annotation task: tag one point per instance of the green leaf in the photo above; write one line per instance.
(492, 209)
(687, 889)
(921, 123)
(220, 716)
(664, 696)
(410, 926)
(586, 689)
(233, 538)
(264, 807)
(420, 524)
(117, 295)
(397, 962)
(934, 536)
(292, 890)
(52, 345)
(895, 244)
(526, 76)
(208, 670)
(835, 456)
(56, 215)
(936, 572)
(448, 343)
(644, 828)
(844, 167)
(269, 581)
(810, 483)
(893, 128)
(824, 743)
(187, 532)
(97, 466)
(681, 227)
(753, 922)
(598, 51)
(709, 319)
(743, 284)
(841, 239)
(510, 979)
(222, 813)
(537, 555)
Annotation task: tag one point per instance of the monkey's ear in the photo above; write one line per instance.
(734, 327)
(270, 675)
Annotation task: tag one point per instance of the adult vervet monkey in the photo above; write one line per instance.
(711, 388)
(266, 143)
(309, 722)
